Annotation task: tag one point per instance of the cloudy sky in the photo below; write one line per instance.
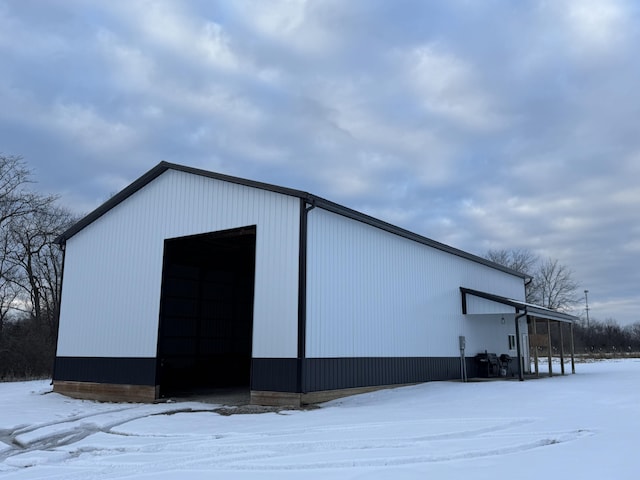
(483, 125)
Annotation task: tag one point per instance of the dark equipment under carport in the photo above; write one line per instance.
(505, 361)
(490, 365)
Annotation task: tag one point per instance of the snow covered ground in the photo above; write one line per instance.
(583, 426)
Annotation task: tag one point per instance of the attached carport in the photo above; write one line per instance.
(534, 314)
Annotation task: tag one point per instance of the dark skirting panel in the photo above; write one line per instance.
(117, 370)
(274, 374)
(280, 374)
(337, 373)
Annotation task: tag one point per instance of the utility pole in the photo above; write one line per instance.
(586, 303)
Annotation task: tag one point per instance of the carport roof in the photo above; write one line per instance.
(307, 197)
(528, 308)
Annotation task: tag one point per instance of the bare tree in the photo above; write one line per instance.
(30, 272)
(8, 289)
(554, 286)
(17, 202)
(519, 259)
(39, 261)
(16, 199)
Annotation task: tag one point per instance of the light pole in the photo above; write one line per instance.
(586, 303)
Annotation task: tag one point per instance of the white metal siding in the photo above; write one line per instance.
(477, 305)
(488, 332)
(113, 268)
(372, 293)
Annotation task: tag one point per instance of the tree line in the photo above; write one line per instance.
(30, 272)
(552, 285)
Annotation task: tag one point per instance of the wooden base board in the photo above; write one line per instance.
(326, 395)
(275, 399)
(297, 399)
(106, 392)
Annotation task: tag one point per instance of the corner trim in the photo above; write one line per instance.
(305, 208)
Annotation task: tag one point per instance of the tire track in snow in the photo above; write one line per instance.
(266, 457)
(51, 435)
(380, 461)
(30, 428)
(271, 450)
(251, 452)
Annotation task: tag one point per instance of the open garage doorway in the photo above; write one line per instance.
(206, 312)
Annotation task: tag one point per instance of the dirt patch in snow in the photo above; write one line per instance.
(255, 409)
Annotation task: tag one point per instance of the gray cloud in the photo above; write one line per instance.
(479, 124)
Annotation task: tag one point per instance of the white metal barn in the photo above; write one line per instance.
(189, 280)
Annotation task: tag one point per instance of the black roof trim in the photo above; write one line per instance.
(312, 199)
(154, 173)
(529, 308)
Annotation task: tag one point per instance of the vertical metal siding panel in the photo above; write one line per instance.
(276, 300)
(113, 269)
(372, 293)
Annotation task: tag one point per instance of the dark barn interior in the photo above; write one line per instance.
(206, 313)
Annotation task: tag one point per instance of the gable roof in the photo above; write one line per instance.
(307, 197)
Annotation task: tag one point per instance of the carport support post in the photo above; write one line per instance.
(561, 349)
(549, 347)
(573, 361)
(518, 341)
(535, 345)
